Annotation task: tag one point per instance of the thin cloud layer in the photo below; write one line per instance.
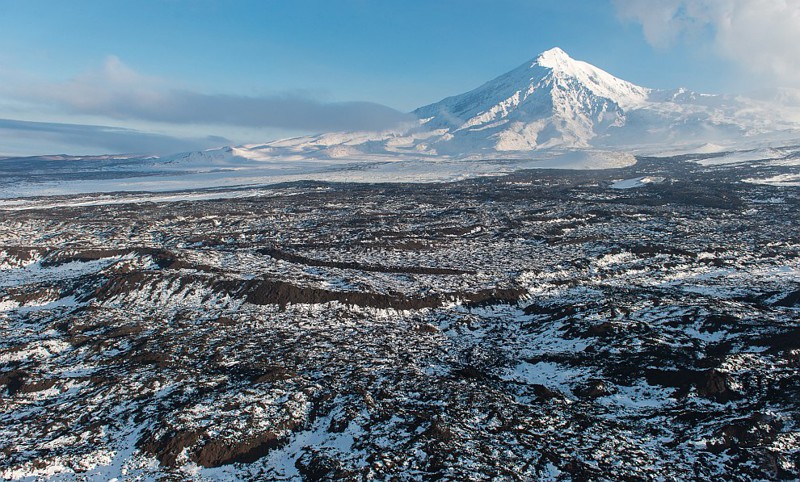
(52, 137)
(761, 36)
(121, 93)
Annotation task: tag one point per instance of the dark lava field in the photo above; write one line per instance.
(544, 325)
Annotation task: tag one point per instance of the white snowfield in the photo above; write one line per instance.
(637, 182)
(221, 172)
(551, 112)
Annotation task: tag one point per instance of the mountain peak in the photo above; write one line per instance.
(576, 75)
(553, 101)
(553, 58)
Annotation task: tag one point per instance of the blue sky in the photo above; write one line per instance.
(96, 63)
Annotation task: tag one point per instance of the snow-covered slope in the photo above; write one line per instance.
(551, 101)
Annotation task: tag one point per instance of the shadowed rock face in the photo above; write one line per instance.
(294, 258)
(710, 383)
(209, 453)
(540, 325)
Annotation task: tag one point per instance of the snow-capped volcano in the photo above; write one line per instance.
(554, 102)
(551, 101)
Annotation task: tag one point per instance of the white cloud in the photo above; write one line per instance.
(20, 137)
(118, 92)
(106, 90)
(761, 36)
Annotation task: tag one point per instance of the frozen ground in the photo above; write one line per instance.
(249, 170)
(542, 325)
(218, 171)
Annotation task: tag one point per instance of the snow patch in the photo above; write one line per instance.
(782, 180)
(637, 182)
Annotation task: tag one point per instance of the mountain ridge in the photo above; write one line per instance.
(554, 102)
